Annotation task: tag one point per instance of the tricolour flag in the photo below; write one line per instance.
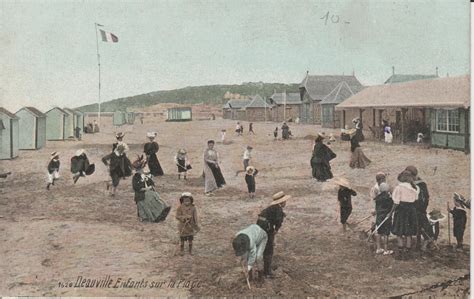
(108, 37)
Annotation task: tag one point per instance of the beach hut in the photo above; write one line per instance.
(55, 124)
(130, 117)
(9, 130)
(32, 126)
(79, 119)
(70, 122)
(119, 118)
(180, 114)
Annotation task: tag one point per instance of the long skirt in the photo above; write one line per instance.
(216, 172)
(152, 208)
(405, 222)
(358, 159)
(154, 165)
(386, 226)
(321, 171)
(345, 213)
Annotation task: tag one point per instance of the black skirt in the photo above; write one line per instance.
(405, 222)
(216, 172)
(386, 226)
(250, 180)
(154, 165)
(345, 213)
(181, 165)
(321, 171)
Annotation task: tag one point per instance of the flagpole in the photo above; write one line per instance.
(98, 64)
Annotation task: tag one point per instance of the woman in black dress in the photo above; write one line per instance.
(150, 149)
(322, 154)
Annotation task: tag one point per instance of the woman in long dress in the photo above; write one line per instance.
(150, 149)
(212, 172)
(358, 158)
(322, 154)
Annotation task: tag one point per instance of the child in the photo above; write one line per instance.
(182, 162)
(80, 165)
(238, 130)
(275, 133)
(345, 202)
(53, 169)
(459, 220)
(247, 156)
(251, 172)
(383, 207)
(186, 214)
(223, 136)
(388, 134)
(251, 129)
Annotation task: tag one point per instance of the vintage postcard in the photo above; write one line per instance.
(237, 148)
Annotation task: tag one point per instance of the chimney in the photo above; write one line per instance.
(437, 72)
(393, 70)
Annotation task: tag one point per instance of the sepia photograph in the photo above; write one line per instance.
(235, 148)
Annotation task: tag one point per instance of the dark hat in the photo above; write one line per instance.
(119, 135)
(380, 176)
(465, 203)
(436, 216)
(412, 169)
(211, 141)
(406, 177)
(139, 163)
(186, 195)
(241, 244)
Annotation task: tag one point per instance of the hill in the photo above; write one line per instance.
(210, 94)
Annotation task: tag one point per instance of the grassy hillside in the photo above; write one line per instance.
(211, 94)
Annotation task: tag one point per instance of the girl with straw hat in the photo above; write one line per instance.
(344, 196)
(182, 162)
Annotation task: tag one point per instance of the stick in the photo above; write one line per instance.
(179, 239)
(245, 274)
(449, 226)
(360, 221)
(377, 227)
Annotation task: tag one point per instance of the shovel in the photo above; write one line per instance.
(377, 227)
(245, 274)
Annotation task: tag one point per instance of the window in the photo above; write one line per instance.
(447, 120)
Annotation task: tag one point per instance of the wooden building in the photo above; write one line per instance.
(285, 106)
(314, 89)
(70, 123)
(55, 124)
(119, 118)
(235, 109)
(179, 114)
(9, 134)
(32, 128)
(258, 109)
(438, 108)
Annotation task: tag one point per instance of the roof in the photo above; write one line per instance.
(238, 103)
(7, 113)
(318, 87)
(60, 110)
(258, 102)
(291, 98)
(33, 111)
(340, 93)
(396, 78)
(226, 106)
(449, 92)
(69, 110)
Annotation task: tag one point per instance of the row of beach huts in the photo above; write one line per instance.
(411, 104)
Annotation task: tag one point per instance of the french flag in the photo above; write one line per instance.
(108, 37)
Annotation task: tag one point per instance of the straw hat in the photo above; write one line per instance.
(151, 134)
(320, 135)
(279, 198)
(54, 155)
(465, 203)
(249, 147)
(79, 152)
(343, 182)
(436, 216)
(119, 135)
(182, 151)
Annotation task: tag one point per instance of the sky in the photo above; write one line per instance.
(49, 47)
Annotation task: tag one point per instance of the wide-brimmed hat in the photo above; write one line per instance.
(151, 134)
(54, 154)
(241, 244)
(211, 141)
(343, 182)
(79, 152)
(119, 135)
(249, 147)
(320, 135)
(356, 119)
(250, 170)
(436, 216)
(186, 195)
(465, 203)
(139, 163)
(182, 151)
(279, 198)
